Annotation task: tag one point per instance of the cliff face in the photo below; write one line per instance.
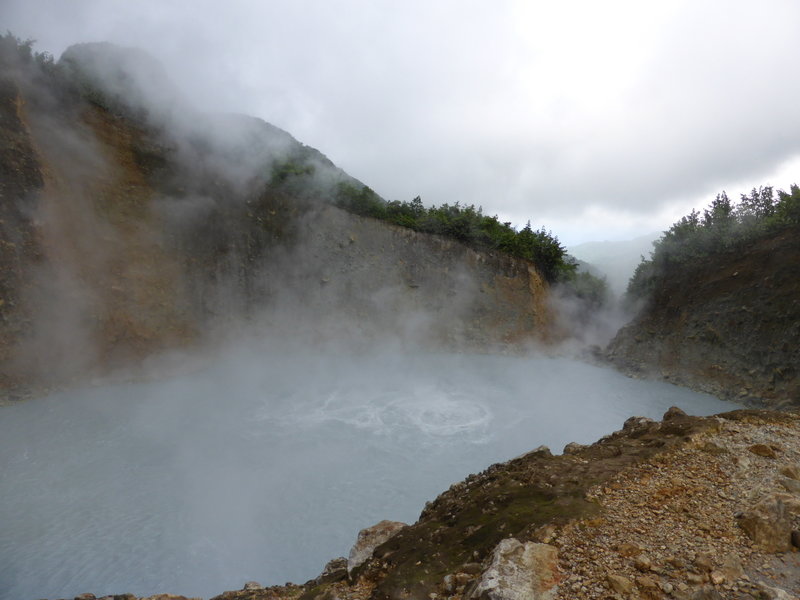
(729, 326)
(126, 233)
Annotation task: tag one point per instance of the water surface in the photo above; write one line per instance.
(266, 466)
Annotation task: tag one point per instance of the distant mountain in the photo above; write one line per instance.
(616, 260)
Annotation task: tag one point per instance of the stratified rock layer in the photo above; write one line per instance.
(125, 234)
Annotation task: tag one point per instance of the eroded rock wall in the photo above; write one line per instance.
(122, 240)
(729, 326)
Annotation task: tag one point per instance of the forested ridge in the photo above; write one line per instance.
(724, 226)
(295, 174)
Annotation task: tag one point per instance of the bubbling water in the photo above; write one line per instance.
(266, 466)
(427, 413)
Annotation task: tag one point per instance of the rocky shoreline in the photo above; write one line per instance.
(698, 508)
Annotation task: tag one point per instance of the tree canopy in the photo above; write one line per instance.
(294, 175)
(465, 223)
(723, 226)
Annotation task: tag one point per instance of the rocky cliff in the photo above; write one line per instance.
(132, 226)
(728, 325)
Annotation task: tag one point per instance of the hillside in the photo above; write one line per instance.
(726, 322)
(615, 260)
(133, 226)
(133, 229)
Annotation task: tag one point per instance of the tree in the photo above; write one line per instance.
(759, 204)
(723, 227)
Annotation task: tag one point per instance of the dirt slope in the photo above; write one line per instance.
(729, 326)
(125, 236)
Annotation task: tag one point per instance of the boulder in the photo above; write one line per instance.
(628, 549)
(643, 563)
(634, 423)
(707, 592)
(673, 413)
(369, 539)
(695, 578)
(618, 583)
(542, 451)
(520, 572)
(646, 583)
(732, 567)
(768, 524)
(790, 485)
(335, 570)
(574, 448)
(712, 448)
(703, 562)
(772, 593)
(791, 471)
(763, 450)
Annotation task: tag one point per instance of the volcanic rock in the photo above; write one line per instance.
(768, 524)
(620, 584)
(520, 572)
(791, 471)
(763, 450)
(369, 539)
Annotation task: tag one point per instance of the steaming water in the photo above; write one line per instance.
(263, 468)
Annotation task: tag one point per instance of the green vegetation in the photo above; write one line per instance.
(722, 227)
(282, 172)
(296, 176)
(44, 79)
(466, 224)
(16, 51)
(591, 290)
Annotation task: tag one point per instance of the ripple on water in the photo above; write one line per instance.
(428, 411)
(266, 468)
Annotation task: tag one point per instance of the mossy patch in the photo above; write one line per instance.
(466, 527)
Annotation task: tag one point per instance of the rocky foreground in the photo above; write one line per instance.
(686, 508)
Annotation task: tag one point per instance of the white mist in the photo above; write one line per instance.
(267, 465)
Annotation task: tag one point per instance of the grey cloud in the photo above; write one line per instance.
(448, 101)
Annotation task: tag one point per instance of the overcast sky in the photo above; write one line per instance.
(598, 120)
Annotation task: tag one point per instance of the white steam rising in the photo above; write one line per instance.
(264, 464)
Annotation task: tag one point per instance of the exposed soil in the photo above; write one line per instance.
(670, 525)
(729, 326)
(121, 240)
